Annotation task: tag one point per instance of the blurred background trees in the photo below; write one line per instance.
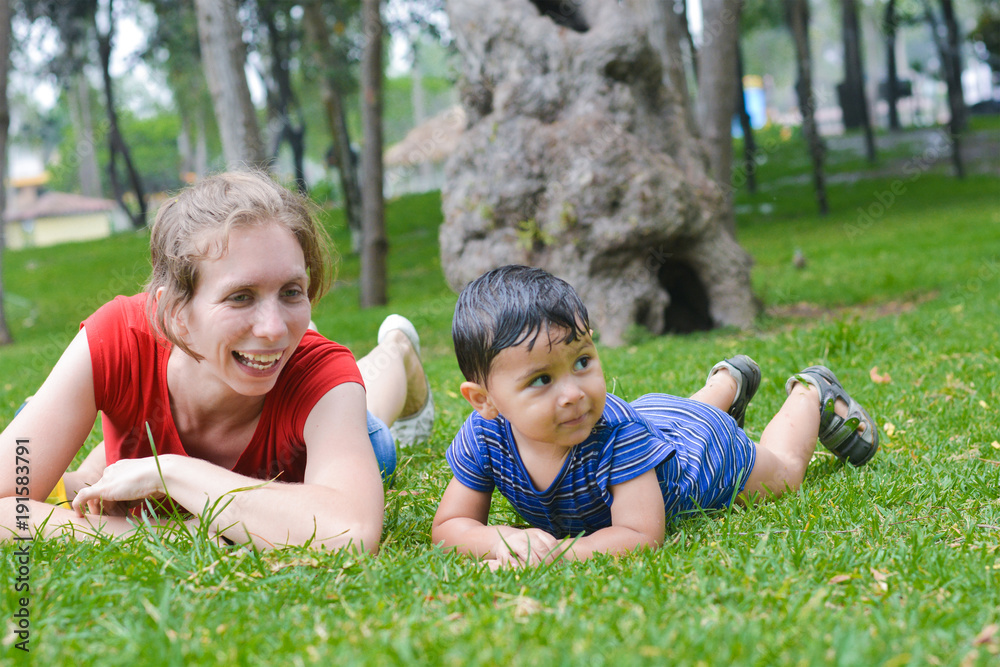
(129, 99)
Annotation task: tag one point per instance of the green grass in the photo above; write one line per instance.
(894, 564)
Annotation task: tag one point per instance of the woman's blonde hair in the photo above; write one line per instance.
(195, 225)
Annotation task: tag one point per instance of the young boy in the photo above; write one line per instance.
(590, 472)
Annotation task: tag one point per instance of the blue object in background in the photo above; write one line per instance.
(756, 103)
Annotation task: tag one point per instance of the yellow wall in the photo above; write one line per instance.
(50, 231)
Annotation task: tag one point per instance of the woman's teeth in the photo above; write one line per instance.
(260, 362)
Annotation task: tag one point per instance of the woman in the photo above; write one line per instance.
(259, 423)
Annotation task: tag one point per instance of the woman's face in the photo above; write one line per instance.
(250, 308)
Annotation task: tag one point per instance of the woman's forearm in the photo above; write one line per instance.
(270, 514)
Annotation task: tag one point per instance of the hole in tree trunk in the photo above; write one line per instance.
(688, 309)
(564, 12)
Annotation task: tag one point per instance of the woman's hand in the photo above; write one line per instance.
(121, 484)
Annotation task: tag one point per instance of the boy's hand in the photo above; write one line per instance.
(524, 548)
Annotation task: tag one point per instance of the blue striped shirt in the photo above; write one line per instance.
(622, 446)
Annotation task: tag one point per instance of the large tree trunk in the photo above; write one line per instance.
(717, 86)
(374, 244)
(323, 58)
(5, 337)
(854, 98)
(797, 14)
(116, 143)
(577, 158)
(223, 55)
(889, 27)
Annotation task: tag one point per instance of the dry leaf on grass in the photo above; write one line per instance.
(879, 379)
(987, 635)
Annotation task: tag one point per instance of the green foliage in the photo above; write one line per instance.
(892, 564)
(531, 235)
(987, 31)
(152, 143)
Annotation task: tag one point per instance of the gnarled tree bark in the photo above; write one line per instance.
(578, 159)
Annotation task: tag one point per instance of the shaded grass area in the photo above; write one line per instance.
(897, 563)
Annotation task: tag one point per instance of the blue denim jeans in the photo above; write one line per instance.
(384, 446)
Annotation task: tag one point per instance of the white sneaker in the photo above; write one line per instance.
(417, 427)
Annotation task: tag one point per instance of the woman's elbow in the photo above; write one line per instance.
(360, 537)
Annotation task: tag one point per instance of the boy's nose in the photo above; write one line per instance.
(571, 392)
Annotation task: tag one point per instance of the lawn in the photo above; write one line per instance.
(897, 563)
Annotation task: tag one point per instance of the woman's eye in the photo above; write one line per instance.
(240, 298)
(540, 381)
(581, 363)
(292, 293)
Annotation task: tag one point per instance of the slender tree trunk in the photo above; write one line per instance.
(5, 337)
(323, 58)
(956, 98)
(200, 144)
(892, 71)
(374, 244)
(797, 13)
(286, 103)
(951, 68)
(749, 144)
(116, 144)
(223, 55)
(88, 171)
(717, 89)
(419, 102)
(688, 38)
(854, 77)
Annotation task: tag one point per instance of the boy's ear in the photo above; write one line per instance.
(479, 399)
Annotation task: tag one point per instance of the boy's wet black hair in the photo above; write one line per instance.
(508, 306)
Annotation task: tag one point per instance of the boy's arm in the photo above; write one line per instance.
(461, 524)
(637, 521)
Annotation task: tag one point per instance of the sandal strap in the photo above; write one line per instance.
(839, 434)
(746, 373)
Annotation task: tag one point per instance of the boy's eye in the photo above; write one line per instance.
(581, 363)
(540, 381)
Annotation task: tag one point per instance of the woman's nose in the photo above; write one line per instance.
(270, 322)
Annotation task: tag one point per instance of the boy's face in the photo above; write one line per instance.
(552, 395)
